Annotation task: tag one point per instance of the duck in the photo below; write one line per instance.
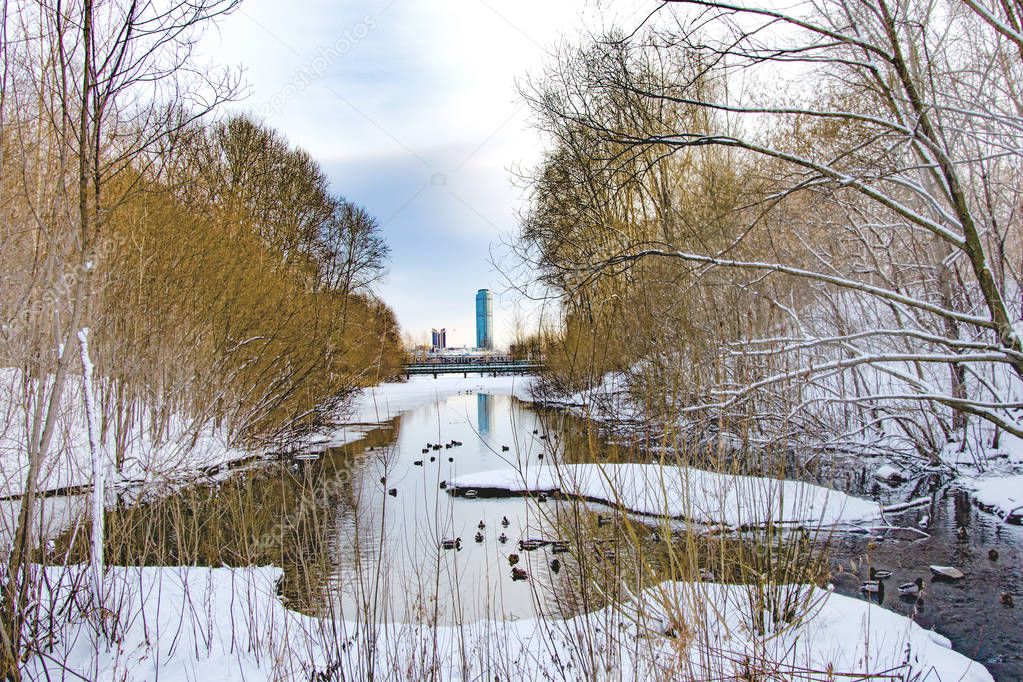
(432, 458)
(540, 456)
(992, 554)
(519, 573)
(872, 586)
(912, 589)
(451, 543)
(426, 450)
(451, 459)
(530, 544)
(559, 547)
(505, 522)
(1007, 600)
(471, 494)
(393, 492)
(479, 537)
(513, 559)
(706, 575)
(481, 525)
(443, 485)
(505, 448)
(502, 538)
(418, 463)
(879, 574)
(556, 565)
(542, 497)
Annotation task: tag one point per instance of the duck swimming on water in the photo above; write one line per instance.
(912, 589)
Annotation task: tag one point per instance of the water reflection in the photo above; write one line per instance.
(484, 412)
(359, 533)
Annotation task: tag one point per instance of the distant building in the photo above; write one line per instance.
(484, 319)
(440, 339)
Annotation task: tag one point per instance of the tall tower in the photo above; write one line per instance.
(484, 319)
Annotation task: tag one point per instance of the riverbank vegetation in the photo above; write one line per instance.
(797, 226)
(167, 274)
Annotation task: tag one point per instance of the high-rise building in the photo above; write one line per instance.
(484, 319)
(439, 339)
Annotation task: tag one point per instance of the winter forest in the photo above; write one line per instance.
(751, 409)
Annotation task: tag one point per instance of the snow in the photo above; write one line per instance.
(374, 407)
(180, 624)
(1002, 495)
(175, 457)
(889, 474)
(69, 465)
(682, 492)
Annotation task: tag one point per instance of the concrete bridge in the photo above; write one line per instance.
(465, 368)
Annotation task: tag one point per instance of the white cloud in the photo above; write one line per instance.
(392, 96)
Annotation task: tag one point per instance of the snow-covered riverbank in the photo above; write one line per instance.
(185, 450)
(181, 624)
(681, 493)
(374, 407)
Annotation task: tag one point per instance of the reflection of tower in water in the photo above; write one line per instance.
(484, 411)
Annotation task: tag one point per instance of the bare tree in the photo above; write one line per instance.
(100, 84)
(887, 137)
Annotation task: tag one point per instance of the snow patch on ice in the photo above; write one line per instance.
(682, 492)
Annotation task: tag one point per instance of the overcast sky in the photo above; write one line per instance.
(410, 106)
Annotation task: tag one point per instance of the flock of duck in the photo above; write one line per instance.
(527, 545)
(914, 589)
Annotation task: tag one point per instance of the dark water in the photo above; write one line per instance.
(969, 611)
(353, 549)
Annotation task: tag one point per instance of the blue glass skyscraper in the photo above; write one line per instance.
(484, 319)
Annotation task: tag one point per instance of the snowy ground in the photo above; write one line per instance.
(682, 492)
(376, 406)
(184, 624)
(1002, 495)
(182, 452)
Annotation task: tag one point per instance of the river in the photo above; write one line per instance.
(360, 531)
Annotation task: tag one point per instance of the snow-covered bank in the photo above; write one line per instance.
(680, 492)
(183, 449)
(374, 407)
(178, 624)
(1002, 495)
